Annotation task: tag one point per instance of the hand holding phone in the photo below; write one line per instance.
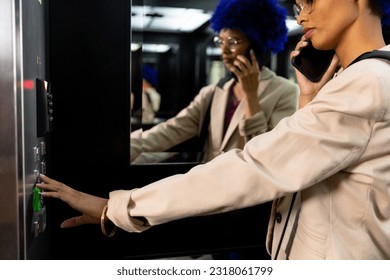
(312, 63)
(248, 56)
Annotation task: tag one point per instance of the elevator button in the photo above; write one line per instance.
(43, 167)
(36, 154)
(43, 148)
(37, 203)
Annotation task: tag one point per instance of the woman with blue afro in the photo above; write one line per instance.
(326, 167)
(262, 23)
(251, 100)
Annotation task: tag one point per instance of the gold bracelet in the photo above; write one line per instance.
(102, 224)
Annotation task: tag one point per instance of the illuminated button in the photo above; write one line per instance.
(37, 205)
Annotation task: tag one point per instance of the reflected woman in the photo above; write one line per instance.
(249, 102)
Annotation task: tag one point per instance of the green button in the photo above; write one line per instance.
(37, 199)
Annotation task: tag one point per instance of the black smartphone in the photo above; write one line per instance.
(312, 63)
(247, 54)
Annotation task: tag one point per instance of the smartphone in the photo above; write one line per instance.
(312, 63)
(247, 54)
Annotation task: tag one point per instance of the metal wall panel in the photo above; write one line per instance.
(9, 246)
(22, 60)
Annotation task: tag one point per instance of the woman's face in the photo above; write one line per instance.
(233, 43)
(328, 22)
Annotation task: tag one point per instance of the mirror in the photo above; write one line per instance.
(170, 39)
(174, 40)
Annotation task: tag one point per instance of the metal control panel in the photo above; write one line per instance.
(38, 223)
(44, 113)
(25, 103)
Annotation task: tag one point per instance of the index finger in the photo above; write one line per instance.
(49, 184)
(46, 179)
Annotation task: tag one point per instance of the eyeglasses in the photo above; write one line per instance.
(306, 6)
(231, 43)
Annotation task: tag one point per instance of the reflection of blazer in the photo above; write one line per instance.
(278, 98)
(151, 100)
(335, 152)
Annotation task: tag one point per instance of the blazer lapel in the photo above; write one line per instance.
(265, 77)
(218, 108)
(233, 125)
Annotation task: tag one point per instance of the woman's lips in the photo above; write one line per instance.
(227, 60)
(308, 33)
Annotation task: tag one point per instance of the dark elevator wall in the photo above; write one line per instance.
(89, 62)
(89, 72)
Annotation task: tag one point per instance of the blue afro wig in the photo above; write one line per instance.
(385, 5)
(149, 74)
(262, 21)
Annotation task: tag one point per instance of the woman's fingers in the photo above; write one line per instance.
(301, 44)
(54, 189)
(89, 205)
(245, 66)
(47, 180)
(49, 184)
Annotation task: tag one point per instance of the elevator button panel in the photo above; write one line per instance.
(38, 224)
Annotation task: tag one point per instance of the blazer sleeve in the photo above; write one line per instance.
(326, 136)
(279, 100)
(174, 131)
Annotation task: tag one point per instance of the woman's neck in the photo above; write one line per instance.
(365, 36)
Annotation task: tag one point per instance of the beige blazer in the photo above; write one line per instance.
(151, 100)
(278, 98)
(335, 152)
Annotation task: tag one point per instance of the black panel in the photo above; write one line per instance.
(89, 74)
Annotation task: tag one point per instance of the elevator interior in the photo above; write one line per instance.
(66, 76)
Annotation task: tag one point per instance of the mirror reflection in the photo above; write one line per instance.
(186, 104)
